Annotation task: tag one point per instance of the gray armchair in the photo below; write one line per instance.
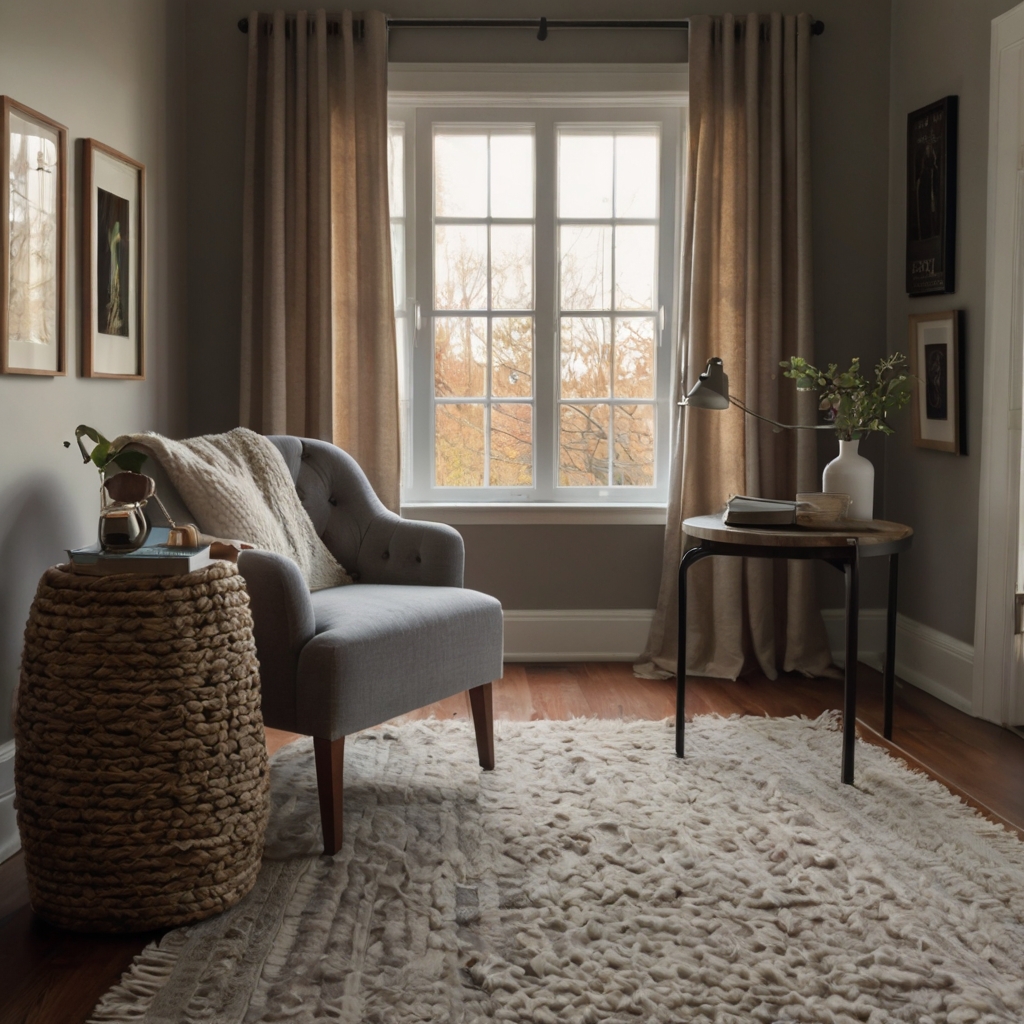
(404, 635)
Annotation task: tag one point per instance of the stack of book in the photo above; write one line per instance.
(821, 511)
(154, 558)
(742, 510)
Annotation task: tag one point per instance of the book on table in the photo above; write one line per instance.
(743, 510)
(154, 558)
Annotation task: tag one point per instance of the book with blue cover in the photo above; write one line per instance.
(154, 558)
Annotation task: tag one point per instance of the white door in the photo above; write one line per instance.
(998, 686)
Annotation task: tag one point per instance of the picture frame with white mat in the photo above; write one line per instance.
(33, 242)
(937, 366)
(113, 263)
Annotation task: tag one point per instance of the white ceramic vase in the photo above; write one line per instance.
(850, 473)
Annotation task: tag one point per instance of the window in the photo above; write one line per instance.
(538, 251)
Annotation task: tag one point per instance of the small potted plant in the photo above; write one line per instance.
(857, 406)
(123, 526)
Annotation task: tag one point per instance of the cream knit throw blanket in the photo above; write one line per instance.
(237, 485)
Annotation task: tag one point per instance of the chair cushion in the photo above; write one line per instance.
(383, 650)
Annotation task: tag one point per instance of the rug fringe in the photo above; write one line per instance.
(129, 1000)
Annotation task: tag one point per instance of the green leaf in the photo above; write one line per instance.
(130, 461)
(100, 454)
(90, 432)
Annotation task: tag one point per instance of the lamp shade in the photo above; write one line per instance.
(712, 388)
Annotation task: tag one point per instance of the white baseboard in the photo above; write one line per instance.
(932, 661)
(10, 841)
(554, 634)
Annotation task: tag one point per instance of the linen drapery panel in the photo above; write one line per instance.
(318, 330)
(746, 292)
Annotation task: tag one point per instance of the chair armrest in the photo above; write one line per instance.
(412, 552)
(283, 623)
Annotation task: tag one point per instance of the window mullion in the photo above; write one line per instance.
(546, 312)
(613, 304)
(423, 338)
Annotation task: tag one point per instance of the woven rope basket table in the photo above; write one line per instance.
(141, 766)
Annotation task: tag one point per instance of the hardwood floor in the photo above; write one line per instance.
(51, 976)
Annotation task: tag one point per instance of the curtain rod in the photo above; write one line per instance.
(542, 24)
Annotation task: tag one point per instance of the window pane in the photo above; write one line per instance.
(583, 446)
(585, 266)
(460, 356)
(460, 175)
(398, 264)
(634, 357)
(459, 445)
(636, 176)
(512, 357)
(634, 446)
(396, 170)
(511, 267)
(512, 175)
(586, 357)
(460, 266)
(635, 251)
(511, 462)
(584, 175)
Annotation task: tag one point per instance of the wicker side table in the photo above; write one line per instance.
(141, 767)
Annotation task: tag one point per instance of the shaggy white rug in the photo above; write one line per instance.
(595, 877)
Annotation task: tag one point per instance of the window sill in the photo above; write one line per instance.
(536, 513)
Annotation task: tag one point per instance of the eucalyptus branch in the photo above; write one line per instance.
(856, 405)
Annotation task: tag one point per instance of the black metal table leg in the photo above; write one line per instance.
(688, 559)
(850, 684)
(889, 675)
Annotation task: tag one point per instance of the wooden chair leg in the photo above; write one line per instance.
(483, 720)
(330, 759)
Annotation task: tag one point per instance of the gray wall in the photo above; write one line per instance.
(935, 492)
(110, 70)
(850, 68)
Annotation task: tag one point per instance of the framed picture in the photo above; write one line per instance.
(939, 387)
(113, 263)
(33, 242)
(931, 198)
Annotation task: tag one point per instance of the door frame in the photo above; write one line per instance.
(998, 667)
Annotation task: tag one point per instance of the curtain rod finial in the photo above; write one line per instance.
(817, 28)
(243, 24)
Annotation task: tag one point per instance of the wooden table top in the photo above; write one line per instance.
(868, 534)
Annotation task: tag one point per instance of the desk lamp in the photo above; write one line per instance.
(712, 392)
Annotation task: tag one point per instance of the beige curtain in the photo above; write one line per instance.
(318, 328)
(746, 296)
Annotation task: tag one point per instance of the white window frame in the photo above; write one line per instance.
(536, 97)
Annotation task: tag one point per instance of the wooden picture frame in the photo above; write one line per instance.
(939, 385)
(931, 198)
(33, 242)
(113, 264)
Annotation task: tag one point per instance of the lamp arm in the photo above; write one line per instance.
(775, 423)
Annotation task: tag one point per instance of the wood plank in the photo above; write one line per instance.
(277, 738)
(556, 692)
(53, 976)
(513, 701)
(614, 692)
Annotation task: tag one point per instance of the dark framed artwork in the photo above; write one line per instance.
(33, 242)
(939, 386)
(113, 263)
(931, 198)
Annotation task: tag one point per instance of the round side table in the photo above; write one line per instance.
(141, 766)
(842, 548)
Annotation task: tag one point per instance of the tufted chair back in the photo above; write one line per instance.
(356, 527)
(373, 544)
